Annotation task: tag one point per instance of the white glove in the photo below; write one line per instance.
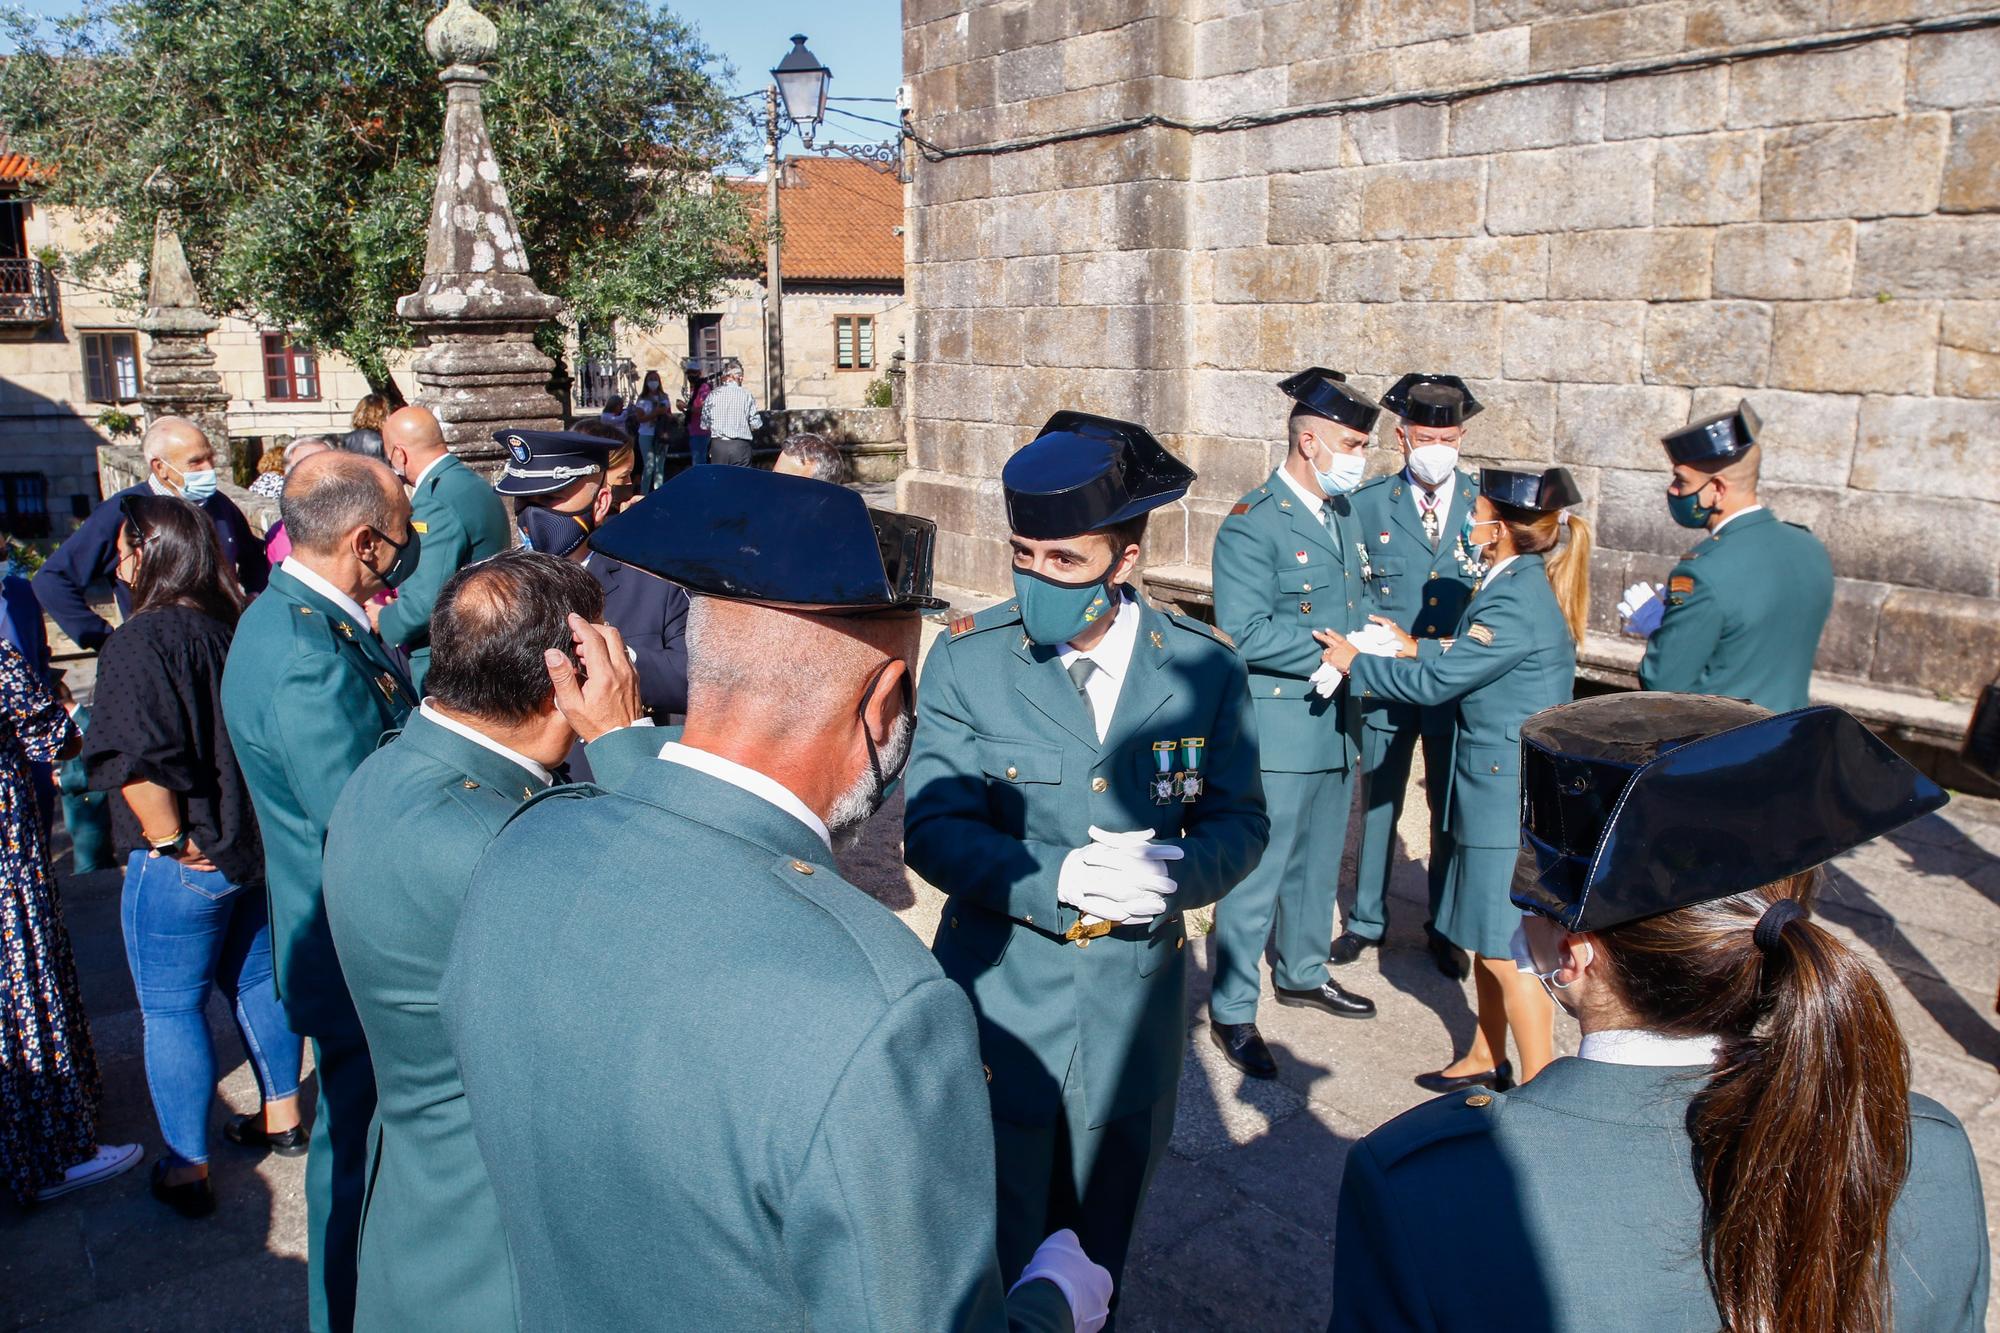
(1087, 1286)
(1327, 679)
(1118, 877)
(1642, 609)
(1376, 640)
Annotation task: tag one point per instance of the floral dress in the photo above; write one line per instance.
(49, 1086)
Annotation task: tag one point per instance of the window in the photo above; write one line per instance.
(854, 342)
(111, 367)
(705, 336)
(291, 372)
(24, 504)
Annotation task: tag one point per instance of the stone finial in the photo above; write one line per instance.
(460, 35)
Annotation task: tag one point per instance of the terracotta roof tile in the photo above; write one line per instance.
(840, 220)
(17, 168)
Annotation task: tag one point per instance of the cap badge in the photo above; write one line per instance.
(518, 448)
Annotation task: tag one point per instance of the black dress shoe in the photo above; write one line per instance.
(1349, 947)
(193, 1198)
(1451, 960)
(1500, 1080)
(1328, 997)
(1243, 1046)
(249, 1131)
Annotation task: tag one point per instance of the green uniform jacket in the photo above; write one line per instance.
(461, 520)
(1006, 779)
(716, 1086)
(1423, 590)
(1280, 575)
(1744, 613)
(1570, 1203)
(1512, 657)
(405, 835)
(306, 695)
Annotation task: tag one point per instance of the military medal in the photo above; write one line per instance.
(1382, 538)
(1300, 556)
(1191, 750)
(1166, 782)
(387, 684)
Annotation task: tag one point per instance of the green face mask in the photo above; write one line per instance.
(1052, 612)
(1688, 510)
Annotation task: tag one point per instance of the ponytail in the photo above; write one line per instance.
(1569, 575)
(1802, 1135)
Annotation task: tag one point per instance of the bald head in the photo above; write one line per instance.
(174, 447)
(412, 440)
(330, 495)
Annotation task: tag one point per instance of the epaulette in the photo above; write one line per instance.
(1250, 501)
(568, 791)
(311, 627)
(1376, 483)
(1203, 628)
(1455, 1115)
(1000, 613)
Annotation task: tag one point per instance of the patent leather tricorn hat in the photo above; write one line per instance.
(1537, 492)
(1085, 473)
(1324, 393)
(1445, 400)
(1722, 438)
(1637, 804)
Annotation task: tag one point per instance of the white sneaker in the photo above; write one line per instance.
(112, 1159)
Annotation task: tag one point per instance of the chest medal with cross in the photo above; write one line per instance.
(1183, 783)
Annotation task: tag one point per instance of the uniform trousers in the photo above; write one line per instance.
(1385, 782)
(1288, 898)
(1068, 1174)
(337, 1177)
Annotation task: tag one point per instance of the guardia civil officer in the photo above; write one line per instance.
(562, 495)
(715, 1086)
(1743, 611)
(1288, 561)
(1736, 1144)
(505, 702)
(1420, 573)
(461, 520)
(1512, 654)
(1085, 772)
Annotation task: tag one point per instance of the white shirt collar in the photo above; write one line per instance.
(1113, 656)
(1439, 495)
(1313, 503)
(760, 785)
(427, 469)
(153, 484)
(485, 742)
(1494, 572)
(327, 590)
(1746, 509)
(1639, 1046)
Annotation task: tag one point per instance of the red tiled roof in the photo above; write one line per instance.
(15, 168)
(840, 219)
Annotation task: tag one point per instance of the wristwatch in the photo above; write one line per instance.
(173, 846)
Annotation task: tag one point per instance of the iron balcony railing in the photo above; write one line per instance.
(27, 292)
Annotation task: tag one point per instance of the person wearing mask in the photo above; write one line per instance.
(652, 413)
(1742, 613)
(1735, 1143)
(1420, 575)
(699, 386)
(457, 514)
(518, 674)
(729, 417)
(821, 1064)
(558, 482)
(808, 455)
(1512, 654)
(1287, 560)
(276, 544)
(193, 908)
(1085, 774)
(307, 693)
(181, 462)
(621, 465)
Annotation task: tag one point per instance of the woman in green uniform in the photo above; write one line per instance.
(1514, 654)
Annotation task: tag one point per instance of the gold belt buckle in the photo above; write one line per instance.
(1082, 932)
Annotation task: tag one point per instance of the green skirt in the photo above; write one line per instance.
(1476, 912)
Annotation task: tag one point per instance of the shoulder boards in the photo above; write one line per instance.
(420, 527)
(1251, 500)
(1202, 628)
(1681, 583)
(571, 791)
(960, 624)
(1000, 613)
(1481, 634)
(1430, 1123)
(1239, 508)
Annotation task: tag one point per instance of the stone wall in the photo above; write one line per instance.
(1602, 260)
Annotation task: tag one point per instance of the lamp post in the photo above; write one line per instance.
(798, 84)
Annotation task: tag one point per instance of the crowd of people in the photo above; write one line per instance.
(531, 838)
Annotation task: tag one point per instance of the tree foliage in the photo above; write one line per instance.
(303, 136)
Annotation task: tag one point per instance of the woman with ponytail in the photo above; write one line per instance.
(1735, 1145)
(1514, 654)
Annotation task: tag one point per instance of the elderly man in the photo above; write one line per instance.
(730, 418)
(181, 462)
(715, 1085)
(505, 703)
(461, 520)
(808, 455)
(307, 693)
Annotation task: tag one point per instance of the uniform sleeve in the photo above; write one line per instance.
(1229, 828)
(326, 718)
(616, 754)
(406, 622)
(1245, 571)
(1472, 661)
(1378, 1284)
(946, 835)
(1689, 630)
(40, 723)
(66, 576)
(891, 1221)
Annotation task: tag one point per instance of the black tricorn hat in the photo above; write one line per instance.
(753, 536)
(1084, 473)
(1325, 393)
(1637, 804)
(1716, 439)
(1536, 492)
(540, 461)
(1432, 409)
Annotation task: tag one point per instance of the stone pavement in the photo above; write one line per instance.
(1237, 1232)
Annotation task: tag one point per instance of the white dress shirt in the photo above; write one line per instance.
(485, 742)
(1493, 571)
(1113, 656)
(1746, 509)
(761, 785)
(1312, 502)
(418, 480)
(1640, 1046)
(332, 594)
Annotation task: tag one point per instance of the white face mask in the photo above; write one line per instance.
(1432, 464)
(1344, 475)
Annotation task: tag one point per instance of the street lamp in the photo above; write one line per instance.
(800, 82)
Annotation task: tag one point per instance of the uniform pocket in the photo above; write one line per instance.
(1160, 948)
(1019, 761)
(1300, 579)
(977, 932)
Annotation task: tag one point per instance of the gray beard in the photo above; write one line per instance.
(860, 800)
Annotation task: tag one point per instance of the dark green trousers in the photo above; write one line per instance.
(1288, 899)
(337, 1177)
(1385, 764)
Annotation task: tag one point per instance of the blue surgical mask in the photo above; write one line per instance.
(196, 486)
(1344, 476)
(1053, 612)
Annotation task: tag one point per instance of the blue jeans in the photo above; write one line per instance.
(697, 447)
(186, 931)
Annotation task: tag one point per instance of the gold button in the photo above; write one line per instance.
(1434, 601)
(1496, 768)
(1030, 920)
(954, 923)
(1368, 694)
(1430, 629)
(1083, 943)
(470, 785)
(1013, 772)
(1434, 573)
(1099, 785)
(1308, 587)
(1479, 1099)
(802, 867)
(989, 1072)
(1277, 690)
(1181, 943)
(1350, 606)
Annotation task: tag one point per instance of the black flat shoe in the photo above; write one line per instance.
(1243, 1046)
(1350, 947)
(250, 1133)
(194, 1198)
(1328, 998)
(1500, 1080)
(1451, 960)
